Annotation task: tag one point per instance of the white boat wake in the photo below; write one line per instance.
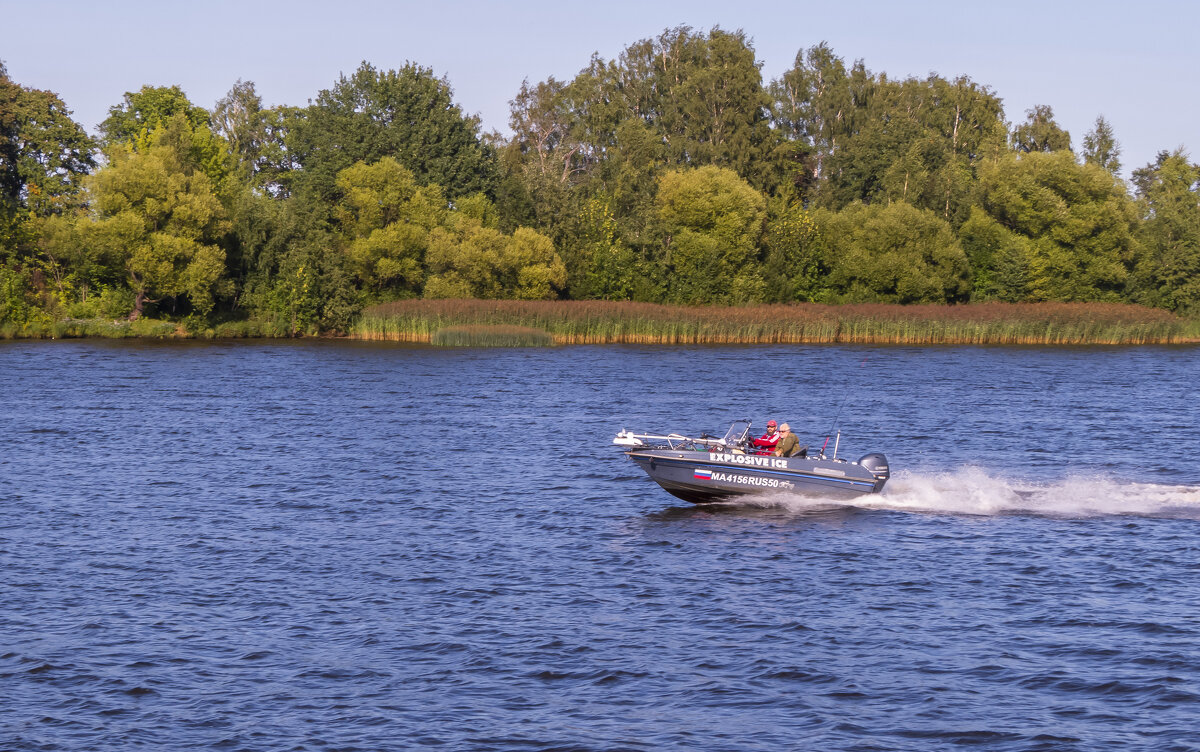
(974, 491)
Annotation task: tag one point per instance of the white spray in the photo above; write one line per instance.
(974, 491)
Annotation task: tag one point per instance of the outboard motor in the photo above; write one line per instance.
(876, 464)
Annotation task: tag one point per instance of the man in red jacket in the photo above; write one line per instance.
(766, 443)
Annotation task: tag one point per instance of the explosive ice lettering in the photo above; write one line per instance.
(748, 459)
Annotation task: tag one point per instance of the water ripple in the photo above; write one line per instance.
(285, 546)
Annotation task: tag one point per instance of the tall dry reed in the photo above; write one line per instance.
(607, 322)
(491, 336)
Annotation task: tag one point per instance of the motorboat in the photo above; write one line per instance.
(706, 469)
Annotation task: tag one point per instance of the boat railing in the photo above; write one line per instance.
(676, 441)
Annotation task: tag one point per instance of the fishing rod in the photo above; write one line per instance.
(838, 416)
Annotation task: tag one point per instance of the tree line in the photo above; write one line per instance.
(672, 173)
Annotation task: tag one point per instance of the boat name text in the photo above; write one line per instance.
(748, 459)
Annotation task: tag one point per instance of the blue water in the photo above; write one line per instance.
(341, 546)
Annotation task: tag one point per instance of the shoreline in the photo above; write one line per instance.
(606, 322)
(507, 323)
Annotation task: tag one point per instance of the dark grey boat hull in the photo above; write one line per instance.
(704, 477)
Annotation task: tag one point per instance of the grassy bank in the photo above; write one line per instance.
(142, 328)
(509, 323)
(604, 322)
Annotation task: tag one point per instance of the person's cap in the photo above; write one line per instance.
(770, 422)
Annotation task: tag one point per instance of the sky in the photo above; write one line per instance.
(1137, 64)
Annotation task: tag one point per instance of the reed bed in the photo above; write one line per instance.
(491, 336)
(608, 322)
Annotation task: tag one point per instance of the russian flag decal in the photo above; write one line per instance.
(702, 474)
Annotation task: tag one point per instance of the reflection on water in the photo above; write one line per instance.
(766, 509)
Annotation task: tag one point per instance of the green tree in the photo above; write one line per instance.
(714, 221)
(1077, 222)
(612, 236)
(408, 115)
(134, 125)
(159, 219)
(464, 262)
(813, 104)
(530, 268)
(630, 174)
(1100, 147)
(386, 218)
(599, 264)
(866, 137)
(142, 111)
(239, 119)
(892, 254)
(1169, 196)
(594, 199)
(952, 127)
(295, 272)
(311, 289)
(276, 168)
(794, 269)
(999, 258)
(468, 259)
(702, 94)
(543, 162)
(257, 139)
(17, 305)
(1040, 132)
(75, 271)
(44, 156)
(698, 95)
(546, 130)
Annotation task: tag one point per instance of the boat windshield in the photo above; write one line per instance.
(737, 433)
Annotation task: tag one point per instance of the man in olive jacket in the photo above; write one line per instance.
(788, 445)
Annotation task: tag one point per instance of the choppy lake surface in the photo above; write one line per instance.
(341, 546)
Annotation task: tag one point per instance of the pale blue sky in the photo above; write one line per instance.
(1135, 63)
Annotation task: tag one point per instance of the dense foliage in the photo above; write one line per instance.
(671, 174)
